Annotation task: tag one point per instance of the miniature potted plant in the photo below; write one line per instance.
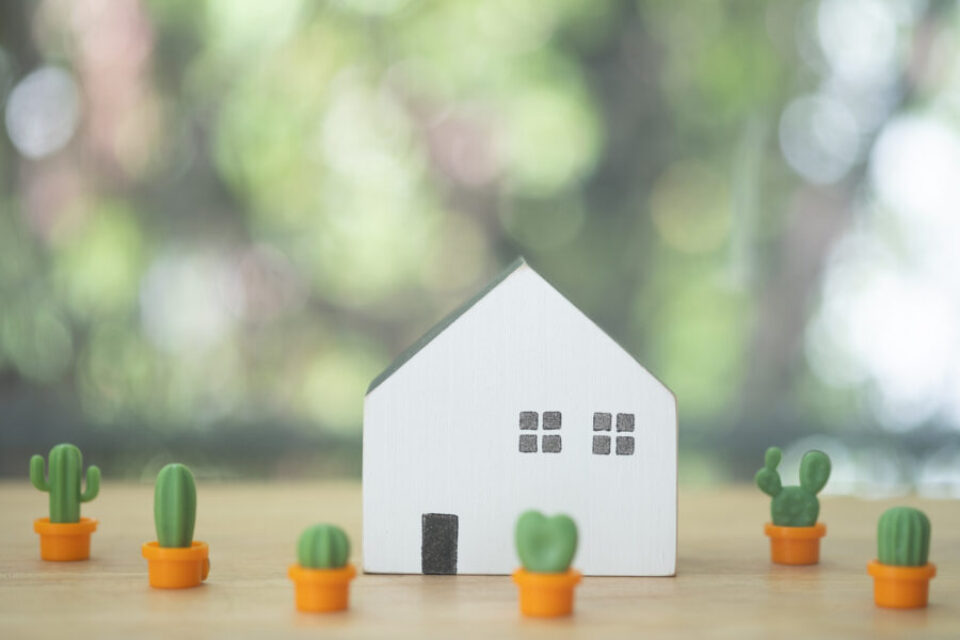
(795, 533)
(65, 535)
(322, 576)
(175, 560)
(546, 547)
(901, 573)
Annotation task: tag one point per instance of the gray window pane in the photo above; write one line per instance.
(601, 445)
(528, 420)
(625, 445)
(528, 443)
(551, 444)
(624, 422)
(601, 421)
(551, 419)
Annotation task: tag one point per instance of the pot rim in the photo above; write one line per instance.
(795, 533)
(566, 580)
(83, 526)
(883, 571)
(298, 573)
(196, 552)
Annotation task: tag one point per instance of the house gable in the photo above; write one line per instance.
(520, 263)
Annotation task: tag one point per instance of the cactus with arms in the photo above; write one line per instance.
(323, 546)
(903, 537)
(65, 469)
(794, 506)
(175, 506)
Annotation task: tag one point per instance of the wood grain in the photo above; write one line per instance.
(725, 585)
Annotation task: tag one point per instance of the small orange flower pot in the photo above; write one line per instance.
(64, 541)
(546, 595)
(176, 568)
(795, 545)
(321, 590)
(901, 587)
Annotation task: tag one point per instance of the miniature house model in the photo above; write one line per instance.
(518, 401)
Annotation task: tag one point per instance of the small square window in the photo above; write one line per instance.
(551, 419)
(528, 443)
(601, 445)
(601, 421)
(529, 420)
(625, 445)
(551, 444)
(624, 422)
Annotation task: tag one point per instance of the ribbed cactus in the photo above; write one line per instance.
(65, 469)
(323, 546)
(903, 537)
(794, 506)
(175, 506)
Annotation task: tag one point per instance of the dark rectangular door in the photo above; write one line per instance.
(438, 546)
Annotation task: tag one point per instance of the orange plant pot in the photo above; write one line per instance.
(64, 541)
(901, 587)
(321, 590)
(176, 568)
(546, 595)
(795, 545)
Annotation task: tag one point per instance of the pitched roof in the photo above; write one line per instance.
(449, 319)
(438, 328)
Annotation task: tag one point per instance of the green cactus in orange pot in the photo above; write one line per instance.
(64, 476)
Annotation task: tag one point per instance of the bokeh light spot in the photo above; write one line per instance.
(819, 137)
(99, 266)
(189, 301)
(859, 39)
(42, 112)
(552, 139)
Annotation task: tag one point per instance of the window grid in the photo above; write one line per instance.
(603, 425)
(604, 443)
(550, 442)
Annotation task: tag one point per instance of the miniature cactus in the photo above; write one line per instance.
(903, 537)
(546, 545)
(65, 469)
(794, 506)
(175, 506)
(322, 576)
(323, 546)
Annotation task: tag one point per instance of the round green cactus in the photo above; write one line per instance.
(175, 506)
(65, 471)
(546, 545)
(794, 506)
(903, 537)
(323, 546)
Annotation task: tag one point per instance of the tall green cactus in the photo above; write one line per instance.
(65, 469)
(903, 537)
(323, 546)
(794, 506)
(175, 506)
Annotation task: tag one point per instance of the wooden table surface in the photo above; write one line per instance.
(725, 587)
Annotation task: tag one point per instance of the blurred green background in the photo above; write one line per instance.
(220, 220)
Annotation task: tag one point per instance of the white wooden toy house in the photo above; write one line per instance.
(517, 400)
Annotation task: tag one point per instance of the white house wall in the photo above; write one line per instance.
(441, 436)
